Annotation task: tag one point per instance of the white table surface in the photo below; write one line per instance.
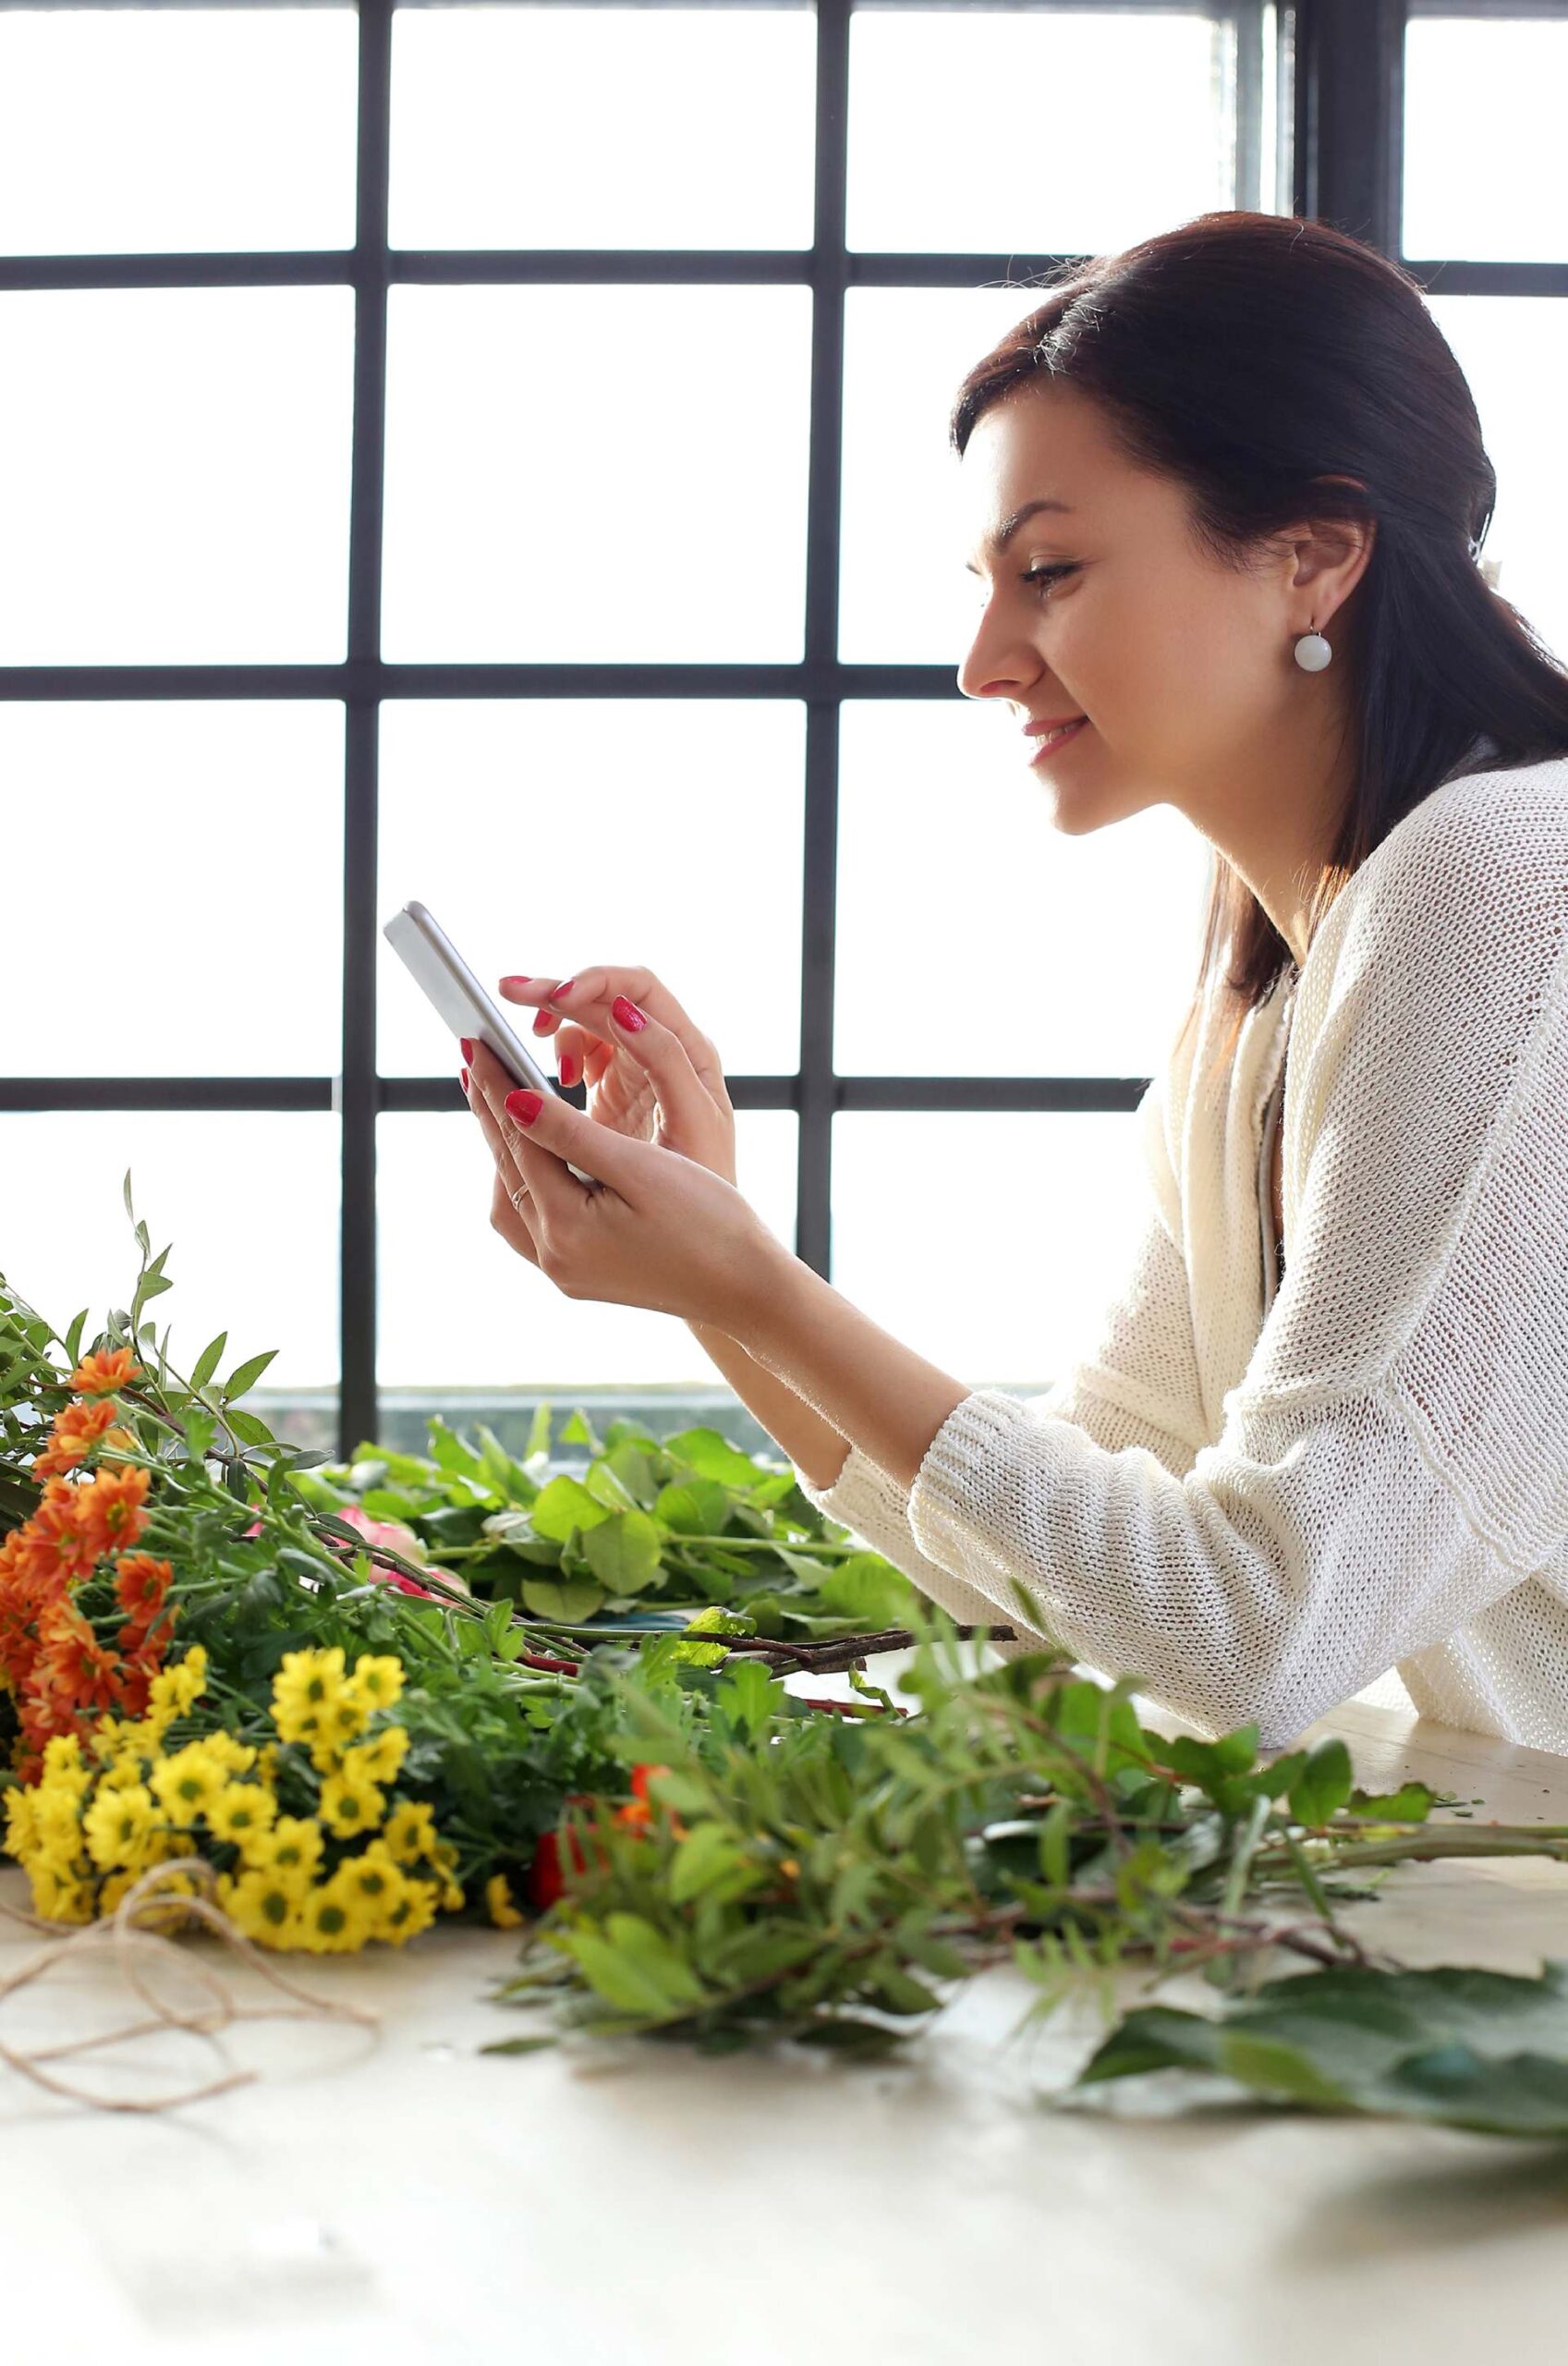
(398, 2197)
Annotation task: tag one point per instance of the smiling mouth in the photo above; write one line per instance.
(1058, 737)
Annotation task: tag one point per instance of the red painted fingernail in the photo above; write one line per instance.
(464, 1079)
(468, 1048)
(557, 992)
(517, 982)
(523, 1106)
(568, 1068)
(628, 1014)
(546, 1023)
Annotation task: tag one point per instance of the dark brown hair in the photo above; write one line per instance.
(1250, 356)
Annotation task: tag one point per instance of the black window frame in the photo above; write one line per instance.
(1347, 166)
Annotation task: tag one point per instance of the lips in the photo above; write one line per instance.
(1059, 722)
(1050, 741)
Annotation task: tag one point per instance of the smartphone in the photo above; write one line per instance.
(423, 944)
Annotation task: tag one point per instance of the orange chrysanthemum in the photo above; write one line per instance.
(52, 1662)
(57, 1545)
(141, 1585)
(101, 1375)
(76, 1428)
(111, 1512)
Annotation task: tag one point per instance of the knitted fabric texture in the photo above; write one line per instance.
(1257, 1502)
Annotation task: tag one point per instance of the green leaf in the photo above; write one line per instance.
(712, 1456)
(564, 1504)
(654, 1955)
(246, 1376)
(1323, 1785)
(1475, 2049)
(624, 1552)
(1206, 1762)
(702, 1859)
(701, 1507)
(518, 2044)
(570, 1604)
(579, 1430)
(866, 1589)
(1412, 1803)
(751, 1698)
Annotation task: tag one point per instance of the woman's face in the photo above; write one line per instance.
(1184, 670)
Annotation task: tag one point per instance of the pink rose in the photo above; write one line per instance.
(396, 1539)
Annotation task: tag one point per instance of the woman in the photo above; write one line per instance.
(1255, 579)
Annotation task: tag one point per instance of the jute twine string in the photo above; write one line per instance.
(126, 1933)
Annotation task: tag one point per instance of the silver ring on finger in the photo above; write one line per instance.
(518, 1196)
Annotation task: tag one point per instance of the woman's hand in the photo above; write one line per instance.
(662, 1083)
(662, 1231)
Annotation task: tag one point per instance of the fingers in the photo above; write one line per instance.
(592, 993)
(507, 1203)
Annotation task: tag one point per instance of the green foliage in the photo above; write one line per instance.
(1476, 2049)
(782, 1871)
(650, 1524)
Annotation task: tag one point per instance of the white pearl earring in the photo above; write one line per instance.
(1312, 652)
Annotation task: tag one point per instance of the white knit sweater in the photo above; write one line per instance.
(1257, 1504)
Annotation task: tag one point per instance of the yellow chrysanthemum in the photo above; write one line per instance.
(498, 1898)
(410, 1831)
(127, 1772)
(113, 1886)
(350, 1806)
(63, 1761)
(292, 1846)
(334, 1919)
(307, 1691)
(265, 1904)
(21, 1823)
(118, 1826)
(379, 1759)
(378, 1680)
(176, 1689)
(188, 1783)
(238, 1756)
(241, 1810)
(267, 1761)
(414, 1911)
(56, 1813)
(376, 1877)
(60, 1898)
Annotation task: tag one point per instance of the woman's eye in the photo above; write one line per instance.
(1047, 575)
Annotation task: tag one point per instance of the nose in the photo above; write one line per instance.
(991, 671)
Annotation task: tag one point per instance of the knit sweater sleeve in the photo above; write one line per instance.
(1137, 1385)
(1394, 1459)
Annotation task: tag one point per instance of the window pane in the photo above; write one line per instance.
(985, 132)
(458, 1306)
(534, 127)
(1078, 954)
(607, 474)
(187, 497)
(203, 931)
(526, 827)
(176, 130)
(1009, 1300)
(1483, 139)
(1514, 351)
(250, 1201)
(904, 599)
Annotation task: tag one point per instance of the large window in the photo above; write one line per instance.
(497, 453)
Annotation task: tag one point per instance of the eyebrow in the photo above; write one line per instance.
(998, 542)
